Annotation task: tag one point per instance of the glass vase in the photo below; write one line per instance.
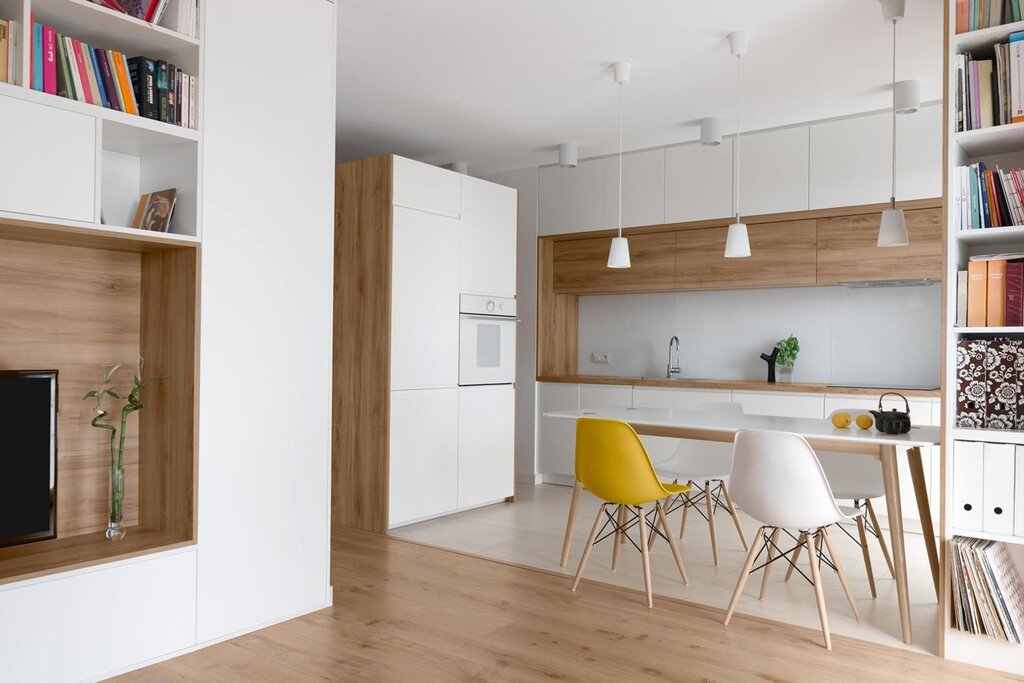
(115, 531)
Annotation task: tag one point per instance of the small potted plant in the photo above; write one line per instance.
(788, 350)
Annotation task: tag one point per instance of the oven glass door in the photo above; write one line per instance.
(487, 350)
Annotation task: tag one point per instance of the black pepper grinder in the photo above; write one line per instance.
(770, 360)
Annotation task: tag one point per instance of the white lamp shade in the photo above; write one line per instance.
(893, 230)
(737, 244)
(907, 96)
(618, 255)
(568, 155)
(711, 131)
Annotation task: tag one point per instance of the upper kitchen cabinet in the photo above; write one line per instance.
(426, 188)
(643, 189)
(773, 171)
(851, 159)
(698, 182)
(781, 253)
(848, 251)
(488, 238)
(581, 266)
(571, 199)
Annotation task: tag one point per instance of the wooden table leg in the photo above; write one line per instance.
(924, 509)
(573, 504)
(891, 480)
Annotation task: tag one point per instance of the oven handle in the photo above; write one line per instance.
(498, 318)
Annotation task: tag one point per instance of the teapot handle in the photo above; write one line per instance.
(894, 393)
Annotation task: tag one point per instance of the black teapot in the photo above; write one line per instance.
(892, 421)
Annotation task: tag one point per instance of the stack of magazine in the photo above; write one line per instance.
(988, 596)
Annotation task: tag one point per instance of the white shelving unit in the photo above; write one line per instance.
(131, 155)
(1003, 145)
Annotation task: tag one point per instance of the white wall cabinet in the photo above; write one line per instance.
(486, 445)
(556, 439)
(571, 199)
(49, 161)
(424, 462)
(424, 300)
(427, 188)
(643, 189)
(773, 171)
(698, 182)
(488, 238)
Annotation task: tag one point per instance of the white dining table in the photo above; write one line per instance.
(821, 435)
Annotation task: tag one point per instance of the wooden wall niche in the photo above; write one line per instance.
(79, 310)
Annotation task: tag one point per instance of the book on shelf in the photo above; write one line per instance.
(990, 92)
(8, 51)
(988, 595)
(987, 197)
(74, 69)
(972, 15)
(990, 293)
(177, 15)
(155, 210)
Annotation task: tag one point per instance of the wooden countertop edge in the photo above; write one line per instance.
(737, 385)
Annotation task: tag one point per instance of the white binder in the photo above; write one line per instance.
(1018, 497)
(967, 485)
(997, 489)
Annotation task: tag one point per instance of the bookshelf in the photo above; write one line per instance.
(1002, 145)
(70, 183)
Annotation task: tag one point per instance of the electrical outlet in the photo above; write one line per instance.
(600, 357)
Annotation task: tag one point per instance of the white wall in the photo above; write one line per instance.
(884, 336)
(525, 180)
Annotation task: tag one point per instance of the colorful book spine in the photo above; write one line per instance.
(103, 66)
(977, 289)
(49, 60)
(96, 77)
(110, 71)
(5, 68)
(1014, 315)
(83, 73)
(127, 90)
(162, 83)
(64, 87)
(143, 77)
(996, 295)
(37, 56)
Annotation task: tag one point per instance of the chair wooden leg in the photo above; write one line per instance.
(672, 543)
(711, 520)
(881, 538)
(796, 556)
(646, 555)
(620, 521)
(573, 505)
(686, 511)
(863, 535)
(590, 544)
(768, 567)
(735, 515)
(819, 593)
(842, 573)
(744, 573)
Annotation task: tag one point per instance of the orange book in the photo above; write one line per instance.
(996, 297)
(963, 10)
(977, 287)
(124, 84)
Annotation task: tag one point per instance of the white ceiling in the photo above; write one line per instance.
(499, 83)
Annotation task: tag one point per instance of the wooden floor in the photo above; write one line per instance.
(406, 612)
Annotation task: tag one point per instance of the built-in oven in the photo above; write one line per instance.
(487, 340)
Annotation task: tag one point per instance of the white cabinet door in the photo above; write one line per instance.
(427, 188)
(662, 449)
(780, 404)
(919, 154)
(486, 444)
(488, 237)
(851, 161)
(49, 166)
(424, 300)
(997, 488)
(643, 189)
(968, 485)
(698, 182)
(571, 199)
(605, 396)
(773, 171)
(424, 454)
(556, 438)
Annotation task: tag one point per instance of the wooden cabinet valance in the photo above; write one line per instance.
(580, 266)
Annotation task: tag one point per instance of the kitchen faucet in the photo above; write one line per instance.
(673, 368)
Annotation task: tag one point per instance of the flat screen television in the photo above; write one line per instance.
(28, 456)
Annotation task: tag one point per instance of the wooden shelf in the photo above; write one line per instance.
(1002, 538)
(989, 330)
(989, 435)
(73, 234)
(985, 37)
(47, 557)
(993, 140)
(991, 235)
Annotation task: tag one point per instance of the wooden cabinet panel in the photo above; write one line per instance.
(780, 254)
(848, 251)
(580, 266)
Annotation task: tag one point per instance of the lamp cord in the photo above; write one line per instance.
(736, 150)
(621, 84)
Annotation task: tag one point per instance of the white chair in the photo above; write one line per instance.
(776, 478)
(708, 464)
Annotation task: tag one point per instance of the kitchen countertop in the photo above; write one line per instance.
(739, 385)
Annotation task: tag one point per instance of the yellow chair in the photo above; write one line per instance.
(612, 463)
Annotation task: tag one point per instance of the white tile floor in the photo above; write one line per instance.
(530, 532)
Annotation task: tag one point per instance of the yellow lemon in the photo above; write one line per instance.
(864, 421)
(841, 420)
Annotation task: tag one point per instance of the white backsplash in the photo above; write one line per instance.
(884, 336)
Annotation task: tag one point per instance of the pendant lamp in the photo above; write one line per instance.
(892, 232)
(737, 242)
(618, 255)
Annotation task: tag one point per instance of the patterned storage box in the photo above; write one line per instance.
(989, 374)
(1001, 384)
(971, 392)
